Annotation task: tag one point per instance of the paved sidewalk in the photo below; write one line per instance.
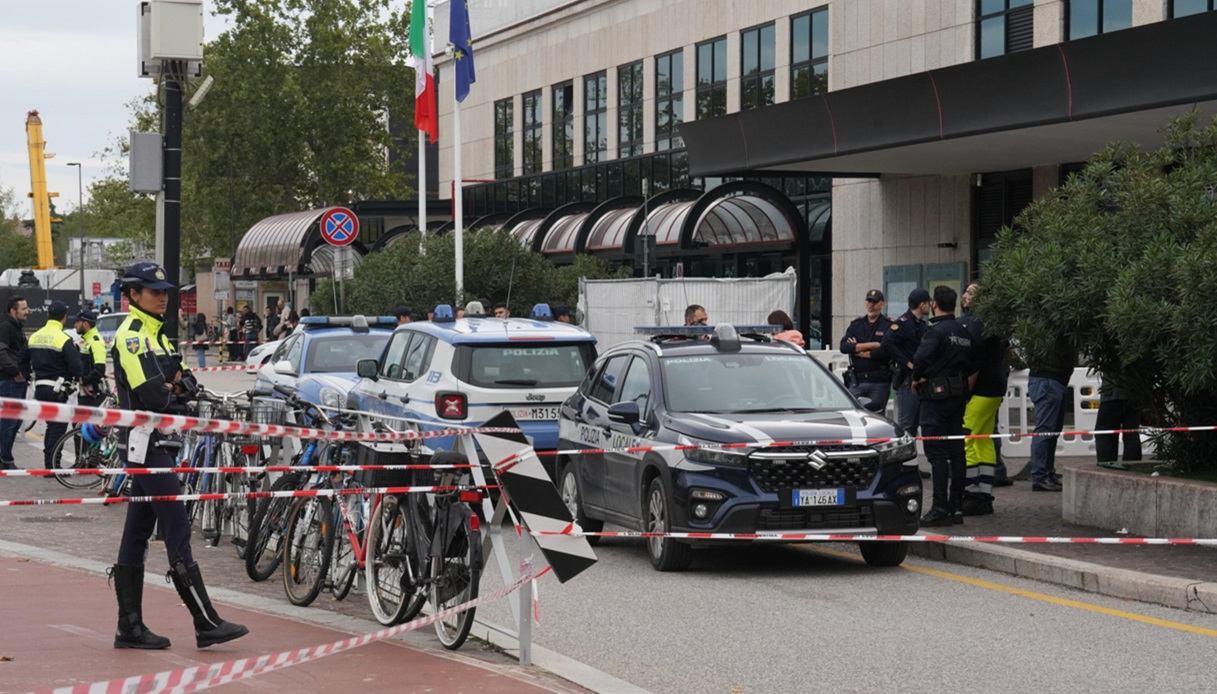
(59, 631)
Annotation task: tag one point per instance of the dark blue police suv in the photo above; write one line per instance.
(712, 386)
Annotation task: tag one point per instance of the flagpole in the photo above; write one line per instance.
(458, 200)
(422, 187)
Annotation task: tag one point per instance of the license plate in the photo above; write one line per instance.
(817, 497)
(543, 412)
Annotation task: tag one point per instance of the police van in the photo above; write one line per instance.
(722, 385)
(464, 371)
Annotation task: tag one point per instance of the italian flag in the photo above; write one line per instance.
(425, 116)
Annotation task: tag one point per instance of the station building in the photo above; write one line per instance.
(866, 143)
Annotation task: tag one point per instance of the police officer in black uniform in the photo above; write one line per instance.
(901, 343)
(150, 375)
(942, 367)
(870, 369)
(56, 363)
(93, 355)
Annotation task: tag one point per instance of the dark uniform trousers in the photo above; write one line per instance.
(947, 458)
(142, 518)
(54, 430)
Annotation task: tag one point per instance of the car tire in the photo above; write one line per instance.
(884, 553)
(666, 553)
(568, 488)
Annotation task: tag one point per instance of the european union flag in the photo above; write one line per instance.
(462, 48)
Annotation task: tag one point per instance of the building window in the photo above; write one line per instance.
(669, 99)
(712, 78)
(809, 53)
(756, 67)
(1092, 17)
(595, 117)
(1004, 26)
(629, 110)
(1182, 8)
(564, 125)
(532, 132)
(504, 139)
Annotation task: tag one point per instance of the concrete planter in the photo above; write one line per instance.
(1145, 505)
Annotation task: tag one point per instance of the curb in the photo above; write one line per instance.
(1179, 593)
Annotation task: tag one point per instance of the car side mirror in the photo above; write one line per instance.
(624, 413)
(367, 368)
(284, 367)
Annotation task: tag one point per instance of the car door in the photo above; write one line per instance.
(387, 391)
(291, 347)
(593, 429)
(621, 469)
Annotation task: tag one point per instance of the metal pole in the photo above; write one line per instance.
(173, 189)
(458, 201)
(524, 632)
(422, 187)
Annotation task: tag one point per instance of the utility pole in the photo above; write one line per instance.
(80, 227)
(171, 126)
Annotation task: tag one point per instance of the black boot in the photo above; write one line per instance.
(131, 633)
(209, 628)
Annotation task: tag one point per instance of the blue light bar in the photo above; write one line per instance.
(697, 330)
(443, 314)
(542, 312)
(345, 321)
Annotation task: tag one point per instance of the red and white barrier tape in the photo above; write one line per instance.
(220, 496)
(845, 537)
(200, 677)
(11, 408)
(247, 470)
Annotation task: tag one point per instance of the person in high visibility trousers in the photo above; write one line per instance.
(93, 354)
(980, 415)
(149, 374)
(57, 365)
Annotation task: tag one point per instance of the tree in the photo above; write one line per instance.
(1117, 265)
(15, 250)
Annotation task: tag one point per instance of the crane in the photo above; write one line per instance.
(38, 192)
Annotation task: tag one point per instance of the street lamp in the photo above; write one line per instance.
(80, 227)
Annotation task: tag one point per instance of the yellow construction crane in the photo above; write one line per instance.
(38, 192)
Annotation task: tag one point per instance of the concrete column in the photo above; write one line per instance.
(517, 137)
(580, 109)
(611, 115)
(690, 102)
(781, 59)
(648, 101)
(1049, 22)
(733, 72)
(1148, 11)
(547, 130)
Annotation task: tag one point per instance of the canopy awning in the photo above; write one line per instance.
(1054, 104)
(276, 245)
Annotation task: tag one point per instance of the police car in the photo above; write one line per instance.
(318, 359)
(464, 371)
(719, 385)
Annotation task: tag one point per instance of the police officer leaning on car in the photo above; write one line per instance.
(93, 354)
(150, 375)
(56, 364)
(870, 369)
(942, 368)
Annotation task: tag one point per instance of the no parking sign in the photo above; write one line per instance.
(339, 226)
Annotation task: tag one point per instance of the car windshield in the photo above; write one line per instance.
(110, 322)
(741, 383)
(340, 353)
(528, 366)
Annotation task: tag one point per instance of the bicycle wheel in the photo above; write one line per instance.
(73, 452)
(243, 509)
(267, 530)
(394, 574)
(306, 555)
(455, 578)
(343, 565)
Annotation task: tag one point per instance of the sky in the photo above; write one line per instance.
(74, 61)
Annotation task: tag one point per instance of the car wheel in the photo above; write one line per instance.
(666, 553)
(569, 490)
(884, 553)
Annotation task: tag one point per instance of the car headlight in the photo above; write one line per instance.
(331, 397)
(717, 456)
(898, 450)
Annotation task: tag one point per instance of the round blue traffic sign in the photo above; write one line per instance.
(339, 226)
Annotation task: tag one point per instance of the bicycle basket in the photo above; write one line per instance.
(217, 410)
(267, 411)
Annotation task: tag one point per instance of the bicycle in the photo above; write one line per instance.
(87, 446)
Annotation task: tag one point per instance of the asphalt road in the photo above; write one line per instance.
(782, 618)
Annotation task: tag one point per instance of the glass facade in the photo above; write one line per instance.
(595, 117)
(669, 99)
(564, 125)
(533, 132)
(809, 53)
(1093, 17)
(712, 78)
(1182, 8)
(504, 139)
(756, 67)
(629, 109)
(1004, 26)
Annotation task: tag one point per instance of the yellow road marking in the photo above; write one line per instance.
(1033, 595)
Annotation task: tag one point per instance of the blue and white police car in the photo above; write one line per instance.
(318, 359)
(717, 385)
(464, 371)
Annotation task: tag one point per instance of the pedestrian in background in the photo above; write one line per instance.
(980, 416)
(56, 363)
(1047, 386)
(1000, 478)
(14, 371)
(231, 334)
(781, 319)
(942, 367)
(200, 338)
(1116, 411)
(403, 315)
(563, 314)
(870, 370)
(696, 315)
(251, 326)
(901, 343)
(500, 311)
(93, 358)
(287, 326)
(272, 321)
